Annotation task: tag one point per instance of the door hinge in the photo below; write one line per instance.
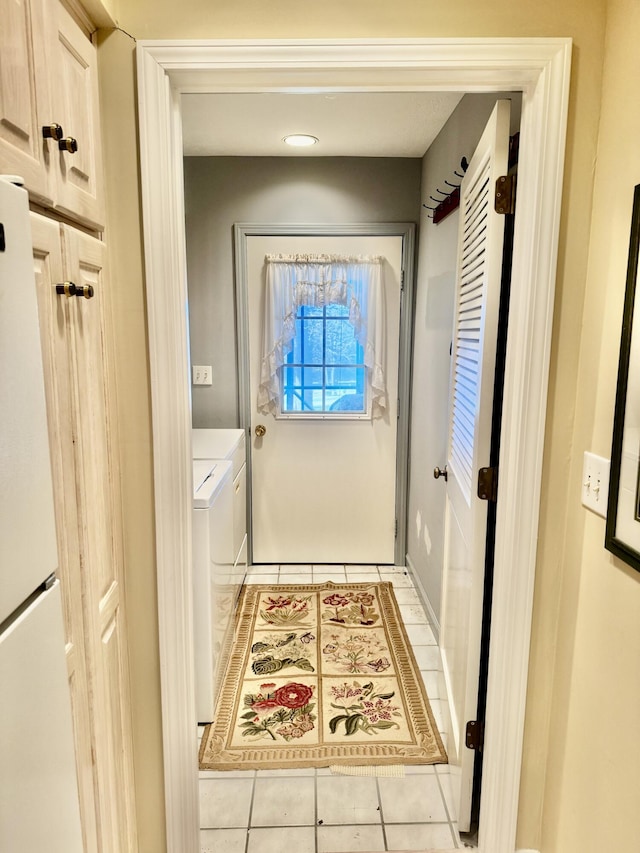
(396, 529)
(401, 279)
(488, 484)
(474, 735)
(505, 201)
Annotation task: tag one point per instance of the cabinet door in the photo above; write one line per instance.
(86, 483)
(100, 530)
(75, 99)
(55, 319)
(24, 95)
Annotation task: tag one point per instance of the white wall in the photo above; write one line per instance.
(432, 340)
(222, 190)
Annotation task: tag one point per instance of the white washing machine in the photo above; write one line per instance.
(213, 586)
(229, 445)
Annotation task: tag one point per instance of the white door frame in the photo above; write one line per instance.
(540, 68)
(405, 230)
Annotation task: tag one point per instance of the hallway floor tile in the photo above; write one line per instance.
(313, 811)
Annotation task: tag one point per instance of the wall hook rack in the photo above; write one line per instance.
(450, 200)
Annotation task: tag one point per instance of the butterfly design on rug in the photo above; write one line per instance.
(273, 653)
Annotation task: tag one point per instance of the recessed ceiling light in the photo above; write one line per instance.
(300, 139)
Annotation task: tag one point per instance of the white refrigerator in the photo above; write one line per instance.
(39, 808)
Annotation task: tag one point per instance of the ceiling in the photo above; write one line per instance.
(351, 124)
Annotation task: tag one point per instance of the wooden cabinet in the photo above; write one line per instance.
(55, 332)
(79, 387)
(78, 177)
(25, 94)
(48, 75)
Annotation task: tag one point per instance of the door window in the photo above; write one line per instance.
(323, 337)
(325, 372)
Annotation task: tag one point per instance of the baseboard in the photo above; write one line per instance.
(424, 598)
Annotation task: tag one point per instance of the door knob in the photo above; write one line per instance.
(437, 472)
(85, 290)
(52, 131)
(67, 288)
(69, 145)
(260, 430)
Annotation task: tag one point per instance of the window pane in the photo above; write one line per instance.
(337, 311)
(343, 377)
(291, 377)
(296, 354)
(345, 401)
(292, 401)
(312, 334)
(309, 311)
(291, 394)
(312, 377)
(341, 344)
(312, 400)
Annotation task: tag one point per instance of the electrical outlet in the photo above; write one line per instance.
(202, 374)
(595, 483)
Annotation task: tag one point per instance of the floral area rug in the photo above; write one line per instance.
(319, 675)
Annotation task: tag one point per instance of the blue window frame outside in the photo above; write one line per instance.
(325, 372)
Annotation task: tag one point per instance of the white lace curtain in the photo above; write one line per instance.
(318, 280)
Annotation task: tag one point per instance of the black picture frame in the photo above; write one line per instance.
(622, 535)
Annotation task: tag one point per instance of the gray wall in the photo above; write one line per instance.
(432, 338)
(220, 191)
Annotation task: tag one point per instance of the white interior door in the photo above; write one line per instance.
(478, 280)
(324, 488)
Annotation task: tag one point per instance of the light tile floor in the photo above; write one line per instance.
(312, 811)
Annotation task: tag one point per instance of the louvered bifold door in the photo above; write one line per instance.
(477, 298)
(470, 309)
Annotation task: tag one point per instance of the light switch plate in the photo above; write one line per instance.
(202, 374)
(595, 483)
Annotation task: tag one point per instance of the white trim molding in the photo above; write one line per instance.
(166, 286)
(539, 68)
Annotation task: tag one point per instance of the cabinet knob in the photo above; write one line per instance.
(70, 145)
(52, 131)
(260, 430)
(86, 290)
(67, 288)
(441, 472)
